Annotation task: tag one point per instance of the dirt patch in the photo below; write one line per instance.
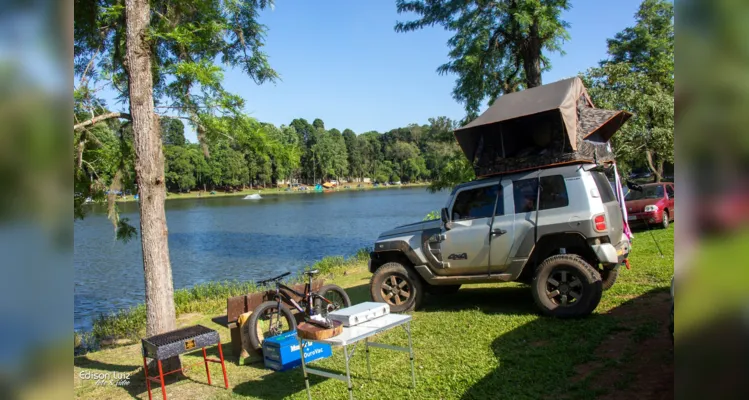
(583, 371)
(634, 363)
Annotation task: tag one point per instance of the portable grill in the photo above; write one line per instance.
(180, 341)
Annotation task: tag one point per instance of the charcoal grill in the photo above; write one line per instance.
(180, 341)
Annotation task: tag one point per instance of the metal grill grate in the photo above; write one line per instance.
(179, 341)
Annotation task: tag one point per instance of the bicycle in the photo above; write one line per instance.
(262, 325)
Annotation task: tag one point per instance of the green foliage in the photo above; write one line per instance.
(639, 77)
(432, 216)
(498, 47)
(172, 131)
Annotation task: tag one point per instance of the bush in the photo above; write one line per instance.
(432, 216)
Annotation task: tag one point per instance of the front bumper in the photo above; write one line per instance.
(654, 217)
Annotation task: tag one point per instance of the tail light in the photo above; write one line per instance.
(599, 222)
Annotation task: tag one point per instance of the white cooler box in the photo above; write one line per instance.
(360, 313)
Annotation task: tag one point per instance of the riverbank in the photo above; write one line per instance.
(277, 191)
(486, 341)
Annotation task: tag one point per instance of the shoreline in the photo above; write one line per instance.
(245, 192)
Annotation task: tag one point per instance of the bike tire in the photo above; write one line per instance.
(333, 293)
(269, 309)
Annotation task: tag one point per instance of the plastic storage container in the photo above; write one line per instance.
(281, 353)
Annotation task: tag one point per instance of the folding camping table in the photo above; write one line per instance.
(352, 336)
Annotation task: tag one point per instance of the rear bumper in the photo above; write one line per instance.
(607, 253)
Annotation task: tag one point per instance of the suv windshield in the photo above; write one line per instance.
(648, 192)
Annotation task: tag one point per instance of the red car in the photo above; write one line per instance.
(653, 205)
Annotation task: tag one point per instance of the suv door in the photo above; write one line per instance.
(502, 234)
(466, 244)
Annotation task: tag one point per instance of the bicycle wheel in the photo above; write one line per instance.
(268, 321)
(335, 298)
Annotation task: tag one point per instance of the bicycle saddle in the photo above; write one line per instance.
(312, 272)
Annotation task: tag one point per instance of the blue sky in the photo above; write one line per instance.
(341, 61)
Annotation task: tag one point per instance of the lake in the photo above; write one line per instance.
(229, 238)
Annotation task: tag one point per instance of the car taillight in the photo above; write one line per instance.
(600, 223)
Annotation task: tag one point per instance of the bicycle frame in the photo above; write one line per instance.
(282, 294)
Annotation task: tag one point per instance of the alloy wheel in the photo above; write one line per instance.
(395, 290)
(564, 288)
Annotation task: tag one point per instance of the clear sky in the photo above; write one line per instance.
(342, 61)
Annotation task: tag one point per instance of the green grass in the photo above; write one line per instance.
(486, 341)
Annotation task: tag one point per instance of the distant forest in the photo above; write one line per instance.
(261, 154)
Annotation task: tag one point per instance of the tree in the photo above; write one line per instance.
(498, 46)
(149, 169)
(172, 131)
(180, 168)
(648, 47)
(162, 54)
(650, 133)
(639, 77)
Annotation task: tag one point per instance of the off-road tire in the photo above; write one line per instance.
(269, 306)
(666, 217)
(567, 265)
(410, 294)
(608, 277)
(341, 299)
(440, 290)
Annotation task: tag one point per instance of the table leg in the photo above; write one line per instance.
(207, 371)
(348, 374)
(161, 376)
(411, 354)
(304, 368)
(223, 366)
(148, 381)
(369, 370)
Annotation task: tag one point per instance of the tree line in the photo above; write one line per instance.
(256, 154)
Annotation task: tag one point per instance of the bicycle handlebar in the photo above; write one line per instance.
(263, 282)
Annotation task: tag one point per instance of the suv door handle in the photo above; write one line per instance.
(498, 232)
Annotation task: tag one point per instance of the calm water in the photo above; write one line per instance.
(228, 238)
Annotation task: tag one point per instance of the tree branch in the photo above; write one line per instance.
(100, 118)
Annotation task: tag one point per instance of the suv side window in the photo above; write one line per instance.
(553, 193)
(475, 203)
(604, 187)
(670, 191)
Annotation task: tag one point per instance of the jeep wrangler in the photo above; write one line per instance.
(560, 230)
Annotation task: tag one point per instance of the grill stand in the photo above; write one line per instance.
(162, 374)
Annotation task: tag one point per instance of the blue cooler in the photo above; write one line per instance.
(281, 352)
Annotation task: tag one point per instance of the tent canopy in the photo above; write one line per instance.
(552, 107)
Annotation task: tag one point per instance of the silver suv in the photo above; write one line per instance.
(558, 229)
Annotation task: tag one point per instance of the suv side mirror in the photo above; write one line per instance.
(445, 217)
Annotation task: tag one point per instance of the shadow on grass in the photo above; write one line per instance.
(279, 385)
(514, 300)
(553, 358)
(194, 366)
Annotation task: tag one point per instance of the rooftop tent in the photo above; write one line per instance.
(546, 125)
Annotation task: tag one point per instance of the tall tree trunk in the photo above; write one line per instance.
(532, 58)
(656, 167)
(149, 170)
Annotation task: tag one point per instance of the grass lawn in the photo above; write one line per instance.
(486, 341)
